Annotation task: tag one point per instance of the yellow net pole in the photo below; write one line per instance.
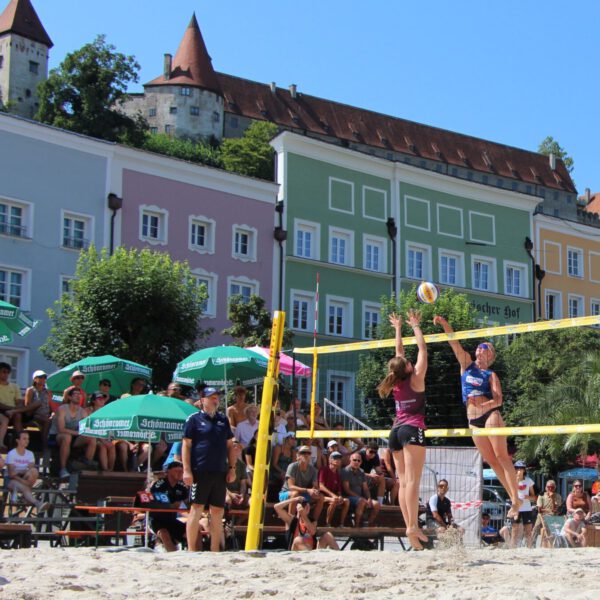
(313, 393)
(262, 459)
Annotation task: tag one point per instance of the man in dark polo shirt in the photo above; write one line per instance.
(330, 484)
(208, 464)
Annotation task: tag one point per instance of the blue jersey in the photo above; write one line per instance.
(209, 437)
(475, 382)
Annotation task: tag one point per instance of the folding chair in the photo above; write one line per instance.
(551, 532)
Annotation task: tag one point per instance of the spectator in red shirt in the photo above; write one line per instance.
(330, 484)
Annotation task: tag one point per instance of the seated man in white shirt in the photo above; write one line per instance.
(22, 473)
(246, 429)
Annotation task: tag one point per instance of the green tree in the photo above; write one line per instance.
(136, 304)
(444, 405)
(198, 152)
(252, 154)
(574, 398)
(85, 93)
(251, 323)
(550, 146)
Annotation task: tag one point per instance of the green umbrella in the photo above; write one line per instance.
(222, 366)
(14, 321)
(140, 418)
(118, 371)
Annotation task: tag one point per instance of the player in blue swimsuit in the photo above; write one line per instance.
(482, 396)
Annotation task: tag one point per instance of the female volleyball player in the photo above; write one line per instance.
(407, 437)
(482, 395)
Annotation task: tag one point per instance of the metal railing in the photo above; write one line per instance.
(336, 414)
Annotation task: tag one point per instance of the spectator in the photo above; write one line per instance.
(22, 473)
(105, 448)
(378, 483)
(302, 480)
(174, 455)
(282, 457)
(279, 427)
(355, 488)
(290, 422)
(236, 413)
(104, 386)
(249, 454)
(247, 428)
(301, 531)
(579, 498)
(523, 524)
(174, 391)
(574, 528)
(489, 534)
(320, 420)
(131, 454)
(10, 399)
(77, 378)
(237, 490)
(548, 504)
(316, 452)
(439, 509)
(208, 464)
(297, 413)
(330, 484)
(37, 405)
(65, 428)
(172, 492)
(388, 468)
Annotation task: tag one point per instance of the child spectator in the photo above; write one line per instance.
(574, 528)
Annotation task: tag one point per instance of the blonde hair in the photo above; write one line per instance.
(396, 372)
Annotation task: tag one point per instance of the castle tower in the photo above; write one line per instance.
(24, 46)
(186, 100)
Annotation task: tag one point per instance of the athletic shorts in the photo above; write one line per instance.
(403, 435)
(525, 517)
(285, 495)
(175, 527)
(209, 488)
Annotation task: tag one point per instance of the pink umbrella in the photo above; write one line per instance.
(286, 364)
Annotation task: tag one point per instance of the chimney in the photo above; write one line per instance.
(167, 66)
(552, 159)
(273, 87)
(293, 92)
(588, 195)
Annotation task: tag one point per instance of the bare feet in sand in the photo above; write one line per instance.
(513, 513)
(415, 537)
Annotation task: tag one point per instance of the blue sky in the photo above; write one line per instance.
(511, 71)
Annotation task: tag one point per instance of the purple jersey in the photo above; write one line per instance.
(410, 405)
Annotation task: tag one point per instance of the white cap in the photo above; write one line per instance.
(39, 373)
(332, 443)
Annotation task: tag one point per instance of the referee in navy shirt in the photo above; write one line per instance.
(208, 464)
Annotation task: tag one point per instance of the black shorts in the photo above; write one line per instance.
(403, 435)
(175, 527)
(209, 488)
(525, 517)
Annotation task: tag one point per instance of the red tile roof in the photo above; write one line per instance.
(20, 17)
(192, 65)
(357, 125)
(594, 203)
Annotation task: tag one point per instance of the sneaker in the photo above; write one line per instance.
(63, 474)
(43, 507)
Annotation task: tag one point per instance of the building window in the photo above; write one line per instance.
(339, 316)
(172, 110)
(201, 235)
(244, 242)
(574, 262)
(75, 233)
(13, 219)
(595, 308)
(483, 274)
(194, 111)
(17, 359)
(243, 287)
(152, 112)
(185, 91)
(553, 305)
(202, 277)
(154, 222)
(341, 390)
(216, 117)
(304, 388)
(371, 316)
(154, 130)
(417, 262)
(12, 284)
(515, 280)
(34, 67)
(575, 306)
(374, 254)
(303, 304)
(1, 61)
(66, 285)
(307, 239)
(341, 244)
(451, 268)
(168, 129)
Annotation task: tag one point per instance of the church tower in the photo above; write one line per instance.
(24, 46)
(186, 101)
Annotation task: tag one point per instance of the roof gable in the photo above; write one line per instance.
(20, 17)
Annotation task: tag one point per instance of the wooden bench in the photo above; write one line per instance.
(88, 535)
(15, 536)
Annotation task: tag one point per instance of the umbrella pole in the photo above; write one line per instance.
(148, 482)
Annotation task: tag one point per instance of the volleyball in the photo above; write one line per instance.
(428, 292)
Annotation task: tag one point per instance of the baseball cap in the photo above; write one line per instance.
(39, 373)
(335, 455)
(520, 465)
(209, 391)
(98, 395)
(304, 450)
(77, 374)
(332, 443)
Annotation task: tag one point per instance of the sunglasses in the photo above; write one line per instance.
(577, 485)
(356, 460)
